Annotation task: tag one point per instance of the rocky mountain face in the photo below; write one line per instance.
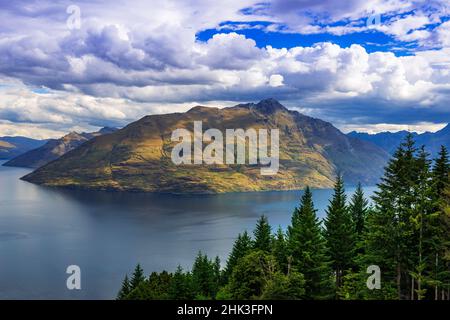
(11, 147)
(138, 156)
(53, 149)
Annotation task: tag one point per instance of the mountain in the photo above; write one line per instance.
(434, 141)
(137, 157)
(389, 141)
(11, 147)
(53, 149)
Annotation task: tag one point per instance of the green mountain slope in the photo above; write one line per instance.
(137, 157)
(53, 149)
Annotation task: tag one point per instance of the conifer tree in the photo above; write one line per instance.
(383, 247)
(241, 247)
(156, 287)
(137, 277)
(394, 236)
(439, 227)
(441, 170)
(339, 233)
(262, 235)
(444, 271)
(420, 219)
(204, 279)
(358, 209)
(279, 249)
(251, 275)
(217, 274)
(306, 247)
(284, 287)
(181, 286)
(125, 289)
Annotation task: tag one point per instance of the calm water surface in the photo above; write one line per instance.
(43, 230)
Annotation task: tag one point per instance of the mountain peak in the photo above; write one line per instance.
(269, 106)
(106, 130)
(72, 134)
(312, 152)
(201, 109)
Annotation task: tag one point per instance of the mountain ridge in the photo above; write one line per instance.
(135, 158)
(53, 149)
(389, 141)
(12, 146)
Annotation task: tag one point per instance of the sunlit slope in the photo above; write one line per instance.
(137, 157)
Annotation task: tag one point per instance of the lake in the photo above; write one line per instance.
(44, 230)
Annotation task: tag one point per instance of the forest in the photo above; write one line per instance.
(404, 230)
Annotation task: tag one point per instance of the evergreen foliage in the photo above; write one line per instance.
(340, 233)
(405, 232)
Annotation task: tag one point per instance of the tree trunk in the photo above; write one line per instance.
(419, 289)
(436, 291)
(399, 278)
(412, 288)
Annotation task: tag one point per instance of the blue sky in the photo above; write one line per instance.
(371, 40)
(367, 65)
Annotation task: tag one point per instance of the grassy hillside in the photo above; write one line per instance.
(137, 157)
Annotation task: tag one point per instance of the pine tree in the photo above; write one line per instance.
(420, 218)
(444, 271)
(279, 250)
(204, 279)
(358, 209)
(339, 233)
(125, 289)
(181, 286)
(381, 249)
(217, 275)
(396, 200)
(137, 277)
(306, 248)
(397, 234)
(383, 239)
(284, 287)
(241, 247)
(251, 275)
(262, 235)
(157, 286)
(441, 170)
(439, 226)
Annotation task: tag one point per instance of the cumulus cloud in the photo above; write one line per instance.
(127, 61)
(420, 127)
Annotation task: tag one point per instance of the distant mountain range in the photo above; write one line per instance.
(54, 148)
(137, 157)
(389, 141)
(11, 147)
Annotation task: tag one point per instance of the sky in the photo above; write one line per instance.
(365, 65)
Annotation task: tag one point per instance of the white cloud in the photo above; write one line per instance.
(229, 51)
(130, 60)
(383, 127)
(29, 130)
(276, 80)
(443, 34)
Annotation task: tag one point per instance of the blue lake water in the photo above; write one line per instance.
(43, 230)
